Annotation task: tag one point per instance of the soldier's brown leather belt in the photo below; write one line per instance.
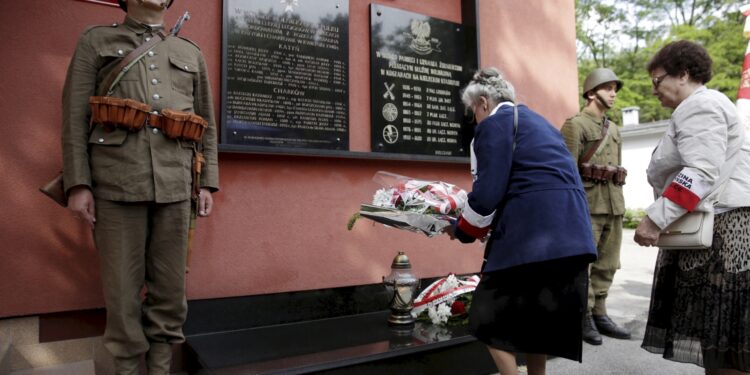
(132, 115)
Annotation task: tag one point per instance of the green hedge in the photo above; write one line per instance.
(632, 217)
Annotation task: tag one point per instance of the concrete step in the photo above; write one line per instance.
(75, 368)
(21, 351)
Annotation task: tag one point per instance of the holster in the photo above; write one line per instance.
(198, 162)
(132, 115)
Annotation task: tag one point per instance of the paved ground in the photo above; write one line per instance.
(627, 304)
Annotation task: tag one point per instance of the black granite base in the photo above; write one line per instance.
(320, 345)
(465, 359)
(321, 331)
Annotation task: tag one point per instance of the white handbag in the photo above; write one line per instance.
(693, 231)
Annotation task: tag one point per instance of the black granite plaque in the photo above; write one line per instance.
(419, 65)
(285, 73)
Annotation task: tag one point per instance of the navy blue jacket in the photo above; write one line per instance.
(540, 208)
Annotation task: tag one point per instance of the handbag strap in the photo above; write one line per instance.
(595, 146)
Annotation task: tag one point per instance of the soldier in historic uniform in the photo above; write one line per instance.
(596, 145)
(133, 182)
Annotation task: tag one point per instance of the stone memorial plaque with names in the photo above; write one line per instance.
(285, 74)
(418, 67)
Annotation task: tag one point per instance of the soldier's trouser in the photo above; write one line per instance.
(608, 238)
(142, 244)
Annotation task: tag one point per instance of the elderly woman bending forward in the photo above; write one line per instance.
(700, 301)
(528, 196)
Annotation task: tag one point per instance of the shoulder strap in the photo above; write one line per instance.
(595, 146)
(127, 62)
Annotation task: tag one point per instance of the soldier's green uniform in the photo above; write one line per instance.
(606, 201)
(140, 181)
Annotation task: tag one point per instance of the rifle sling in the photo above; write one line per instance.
(127, 62)
(596, 145)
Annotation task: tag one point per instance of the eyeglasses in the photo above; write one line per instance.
(656, 81)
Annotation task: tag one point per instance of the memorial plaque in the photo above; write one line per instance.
(419, 65)
(285, 74)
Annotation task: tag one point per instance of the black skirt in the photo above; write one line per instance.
(533, 308)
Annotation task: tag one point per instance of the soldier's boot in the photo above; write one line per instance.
(590, 333)
(127, 366)
(159, 358)
(606, 326)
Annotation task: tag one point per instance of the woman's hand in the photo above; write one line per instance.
(450, 231)
(647, 233)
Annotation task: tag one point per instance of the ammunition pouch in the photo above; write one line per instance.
(603, 174)
(619, 178)
(111, 113)
(132, 115)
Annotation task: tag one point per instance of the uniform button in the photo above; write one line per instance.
(152, 66)
(156, 96)
(151, 53)
(101, 140)
(119, 52)
(187, 68)
(155, 131)
(148, 38)
(154, 81)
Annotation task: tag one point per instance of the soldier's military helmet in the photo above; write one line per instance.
(124, 4)
(600, 76)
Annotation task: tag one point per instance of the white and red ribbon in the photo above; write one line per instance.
(433, 296)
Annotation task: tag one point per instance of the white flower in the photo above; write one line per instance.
(444, 312)
(439, 314)
(383, 198)
(451, 282)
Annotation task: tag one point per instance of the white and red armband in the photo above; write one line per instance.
(474, 224)
(687, 189)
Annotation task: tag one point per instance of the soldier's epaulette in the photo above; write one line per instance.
(189, 41)
(114, 24)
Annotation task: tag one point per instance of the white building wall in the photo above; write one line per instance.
(638, 144)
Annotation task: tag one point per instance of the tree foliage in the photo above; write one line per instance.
(623, 35)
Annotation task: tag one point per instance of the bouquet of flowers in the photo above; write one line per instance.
(412, 204)
(446, 301)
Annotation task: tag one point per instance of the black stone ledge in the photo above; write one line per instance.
(310, 331)
(320, 345)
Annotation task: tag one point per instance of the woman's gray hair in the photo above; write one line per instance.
(488, 82)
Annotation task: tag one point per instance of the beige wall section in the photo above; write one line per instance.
(280, 221)
(533, 43)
